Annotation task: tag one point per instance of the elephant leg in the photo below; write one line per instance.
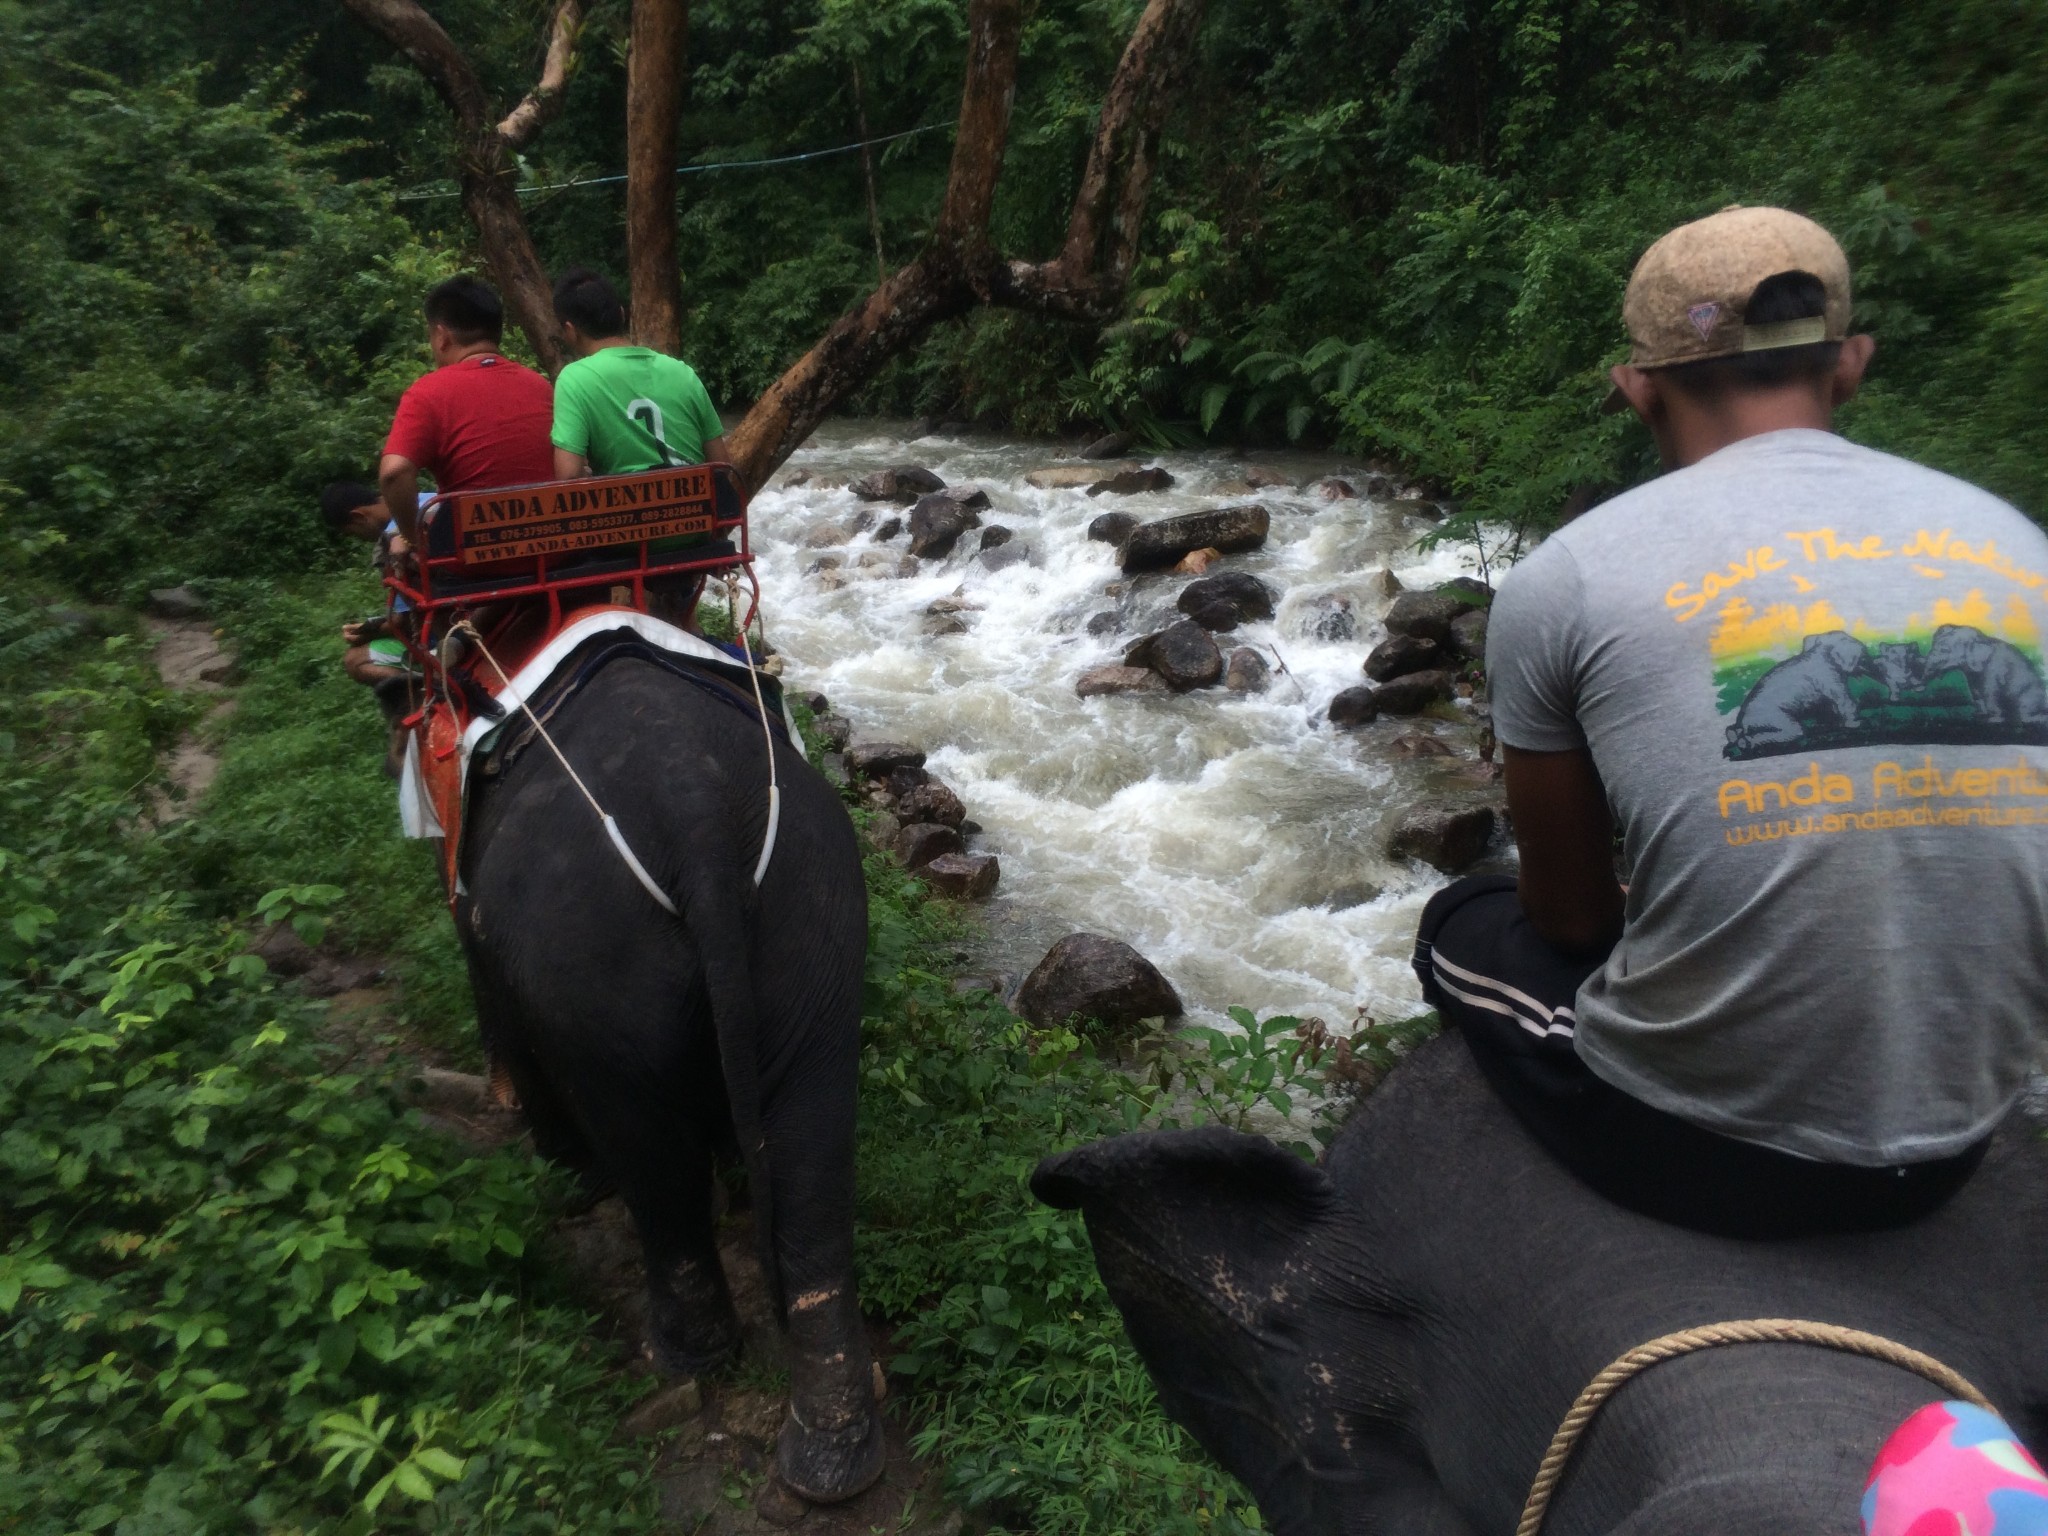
(665, 1175)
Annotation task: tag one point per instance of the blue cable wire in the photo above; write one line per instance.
(688, 170)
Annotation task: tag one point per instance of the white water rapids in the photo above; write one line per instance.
(1236, 840)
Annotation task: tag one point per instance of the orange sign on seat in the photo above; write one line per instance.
(600, 513)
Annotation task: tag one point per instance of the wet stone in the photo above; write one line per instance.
(1333, 489)
(1354, 707)
(1398, 655)
(1099, 681)
(875, 759)
(1104, 623)
(1186, 656)
(902, 483)
(932, 801)
(921, 842)
(1469, 590)
(1445, 840)
(1090, 976)
(936, 523)
(1072, 477)
(996, 534)
(1332, 620)
(1246, 671)
(965, 876)
(1425, 615)
(1226, 600)
(1108, 447)
(1003, 556)
(888, 529)
(1413, 693)
(1468, 634)
(1163, 542)
(1132, 482)
(1112, 527)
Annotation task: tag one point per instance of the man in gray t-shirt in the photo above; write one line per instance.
(1803, 681)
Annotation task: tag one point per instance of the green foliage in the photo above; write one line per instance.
(239, 1284)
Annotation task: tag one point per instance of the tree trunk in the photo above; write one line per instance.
(485, 167)
(654, 93)
(957, 268)
(867, 176)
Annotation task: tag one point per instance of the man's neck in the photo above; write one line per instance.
(601, 343)
(474, 349)
(1690, 432)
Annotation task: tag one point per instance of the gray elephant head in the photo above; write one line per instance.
(1385, 1344)
(1899, 666)
(1958, 646)
(1845, 653)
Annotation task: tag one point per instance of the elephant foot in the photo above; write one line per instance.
(692, 1326)
(830, 1466)
(831, 1445)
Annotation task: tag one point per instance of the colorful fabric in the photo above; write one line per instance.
(1955, 1470)
(477, 424)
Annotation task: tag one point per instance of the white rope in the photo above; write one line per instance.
(611, 827)
(732, 597)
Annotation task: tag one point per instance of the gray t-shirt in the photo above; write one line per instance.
(1810, 676)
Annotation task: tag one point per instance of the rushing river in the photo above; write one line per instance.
(1234, 839)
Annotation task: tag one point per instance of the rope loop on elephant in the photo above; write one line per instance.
(732, 596)
(1757, 1330)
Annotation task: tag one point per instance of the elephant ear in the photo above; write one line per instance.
(1218, 1249)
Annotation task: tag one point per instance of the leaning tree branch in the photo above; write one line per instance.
(543, 104)
(958, 267)
(484, 163)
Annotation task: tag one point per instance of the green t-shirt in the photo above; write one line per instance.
(627, 409)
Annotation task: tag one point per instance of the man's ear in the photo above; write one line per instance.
(1641, 390)
(1855, 357)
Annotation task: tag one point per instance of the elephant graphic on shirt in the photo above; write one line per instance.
(1900, 667)
(2004, 687)
(1807, 689)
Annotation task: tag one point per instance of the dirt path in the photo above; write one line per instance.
(710, 1443)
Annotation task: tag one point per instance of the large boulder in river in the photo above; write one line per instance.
(995, 534)
(1182, 653)
(1445, 840)
(921, 842)
(936, 523)
(1398, 655)
(1112, 527)
(878, 759)
(1073, 477)
(964, 876)
(1354, 706)
(1425, 615)
(1246, 671)
(1108, 447)
(1468, 634)
(1413, 693)
(1469, 590)
(902, 483)
(1229, 529)
(1226, 600)
(1132, 481)
(931, 801)
(1088, 976)
(1097, 682)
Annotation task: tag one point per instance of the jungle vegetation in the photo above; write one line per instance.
(239, 1286)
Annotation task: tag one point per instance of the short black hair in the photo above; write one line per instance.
(342, 500)
(469, 307)
(591, 304)
(1787, 296)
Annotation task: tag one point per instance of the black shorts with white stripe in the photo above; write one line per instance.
(1512, 996)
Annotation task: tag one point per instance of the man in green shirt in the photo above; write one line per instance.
(620, 408)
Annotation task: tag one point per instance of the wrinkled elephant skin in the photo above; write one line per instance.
(1386, 1344)
(643, 1045)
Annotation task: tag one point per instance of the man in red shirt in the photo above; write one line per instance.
(478, 420)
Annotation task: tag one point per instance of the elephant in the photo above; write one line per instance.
(1778, 706)
(2005, 689)
(1899, 666)
(1383, 1344)
(643, 1044)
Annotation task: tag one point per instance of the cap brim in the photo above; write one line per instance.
(1615, 402)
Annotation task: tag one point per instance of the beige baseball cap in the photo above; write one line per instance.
(1686, 296)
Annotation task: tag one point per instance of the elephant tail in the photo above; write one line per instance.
(714, 912)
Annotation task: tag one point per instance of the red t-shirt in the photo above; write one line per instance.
(479, 423)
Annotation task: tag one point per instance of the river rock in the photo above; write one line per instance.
(1413, 693)
(1132, 482)
(1261, 477)
(877, 759)
(1088, 976)
(995, 534)
(890, 527)
(1332, 619)
(1398, 655)
(931, 801)
(943, 624)
(1098, 681)
(1469, 590)
(1107, 623)
(1425, 615)
(965, 876)
(1197, 562)
(883, 828)
(824, 563)
(1073, 477)
(936, 523)
(861, 521)
(1468, 634)
(903, 483)
(176, 603)
(1003, 556)
(955, 603)
(1224, 601)
(973, 497)
(1445, 840)
(1418, 506)
(1385, 583)
(1162, 543)
(902, 779)
(1186, 656)
(922, 841)
(1112, 527)
(1354, 706)
(1333, 489)
(825, 536)
(1246, 671)
(1419, 744)
(833, 766)
(834, 730)
(1108, 447)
